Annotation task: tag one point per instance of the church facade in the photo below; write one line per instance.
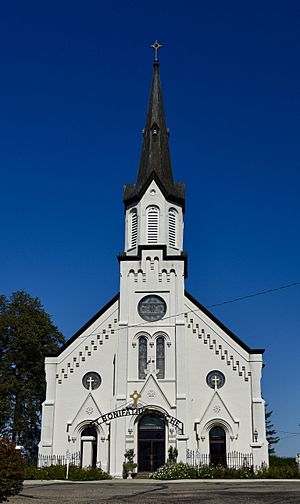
(154, 369)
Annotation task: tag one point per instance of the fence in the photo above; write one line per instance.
(47, 460)
(232, 459)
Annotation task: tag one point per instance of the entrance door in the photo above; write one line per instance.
(89, 447)
(151, 442)
(217, 444)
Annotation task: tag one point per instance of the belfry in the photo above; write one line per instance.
(154, 369)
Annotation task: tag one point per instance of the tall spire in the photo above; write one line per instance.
(155, 161)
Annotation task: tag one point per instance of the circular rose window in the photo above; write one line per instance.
(152, 308)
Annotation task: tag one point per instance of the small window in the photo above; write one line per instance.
(152, 224)
(160, 357)
(133, 228)
(142, 357)
(173, 227)
(215, 379)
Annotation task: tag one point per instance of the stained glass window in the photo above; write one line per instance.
(142, 357)
(160, 357)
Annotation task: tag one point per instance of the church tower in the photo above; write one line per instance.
(152, 273)
(154, 369)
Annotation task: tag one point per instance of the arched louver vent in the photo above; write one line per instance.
(133, 228)
(173, 227)
(152, 224)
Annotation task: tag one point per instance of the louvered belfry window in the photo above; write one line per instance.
(142, 357)
(133, 228)
(152, 224)
(173, 227)
(160, 357)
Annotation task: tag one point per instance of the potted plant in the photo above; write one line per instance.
(173, 454)
(129, 465)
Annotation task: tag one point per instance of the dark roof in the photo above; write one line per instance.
(88, 323)
(155, 161)
(223, 327)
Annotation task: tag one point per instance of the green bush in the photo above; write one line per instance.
(275, 461)
(89, 474)
(11, 469)
(279, 469)
(58, 472)
(52, 472)
(173, 470)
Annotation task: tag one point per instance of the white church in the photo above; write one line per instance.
(154, 369)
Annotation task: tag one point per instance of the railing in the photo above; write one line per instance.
(47, 460)
(232, 459)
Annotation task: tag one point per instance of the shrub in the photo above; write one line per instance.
(173, 470)
(11, 469)
(52, 472)
(89, 474)
(58, 472)
(279, 469)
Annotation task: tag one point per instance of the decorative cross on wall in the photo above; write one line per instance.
(90, 382)
(215, 380)
(135, 396)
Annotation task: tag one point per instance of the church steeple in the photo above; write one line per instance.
(155, 161)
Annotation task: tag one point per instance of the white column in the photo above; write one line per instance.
(45, 445)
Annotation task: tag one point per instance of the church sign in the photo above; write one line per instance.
(135, 411)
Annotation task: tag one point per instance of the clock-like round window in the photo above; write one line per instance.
(215, 379)
(152, 308)
(91, 380)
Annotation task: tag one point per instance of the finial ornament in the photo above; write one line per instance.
(156, 46)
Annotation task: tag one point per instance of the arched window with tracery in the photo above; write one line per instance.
(160, 356)
(142, 357)
(133, 228)
(173, 227)
(152, 224)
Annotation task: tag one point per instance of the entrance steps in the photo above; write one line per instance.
(142, 475)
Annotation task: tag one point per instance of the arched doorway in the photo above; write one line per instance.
(217, 446)
(151, 442)
(89, 447)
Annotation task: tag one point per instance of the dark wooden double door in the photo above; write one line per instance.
(151, 443)
(217, 442)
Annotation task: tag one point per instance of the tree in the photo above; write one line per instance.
(27, 335)
(271, 433)
(11, 469)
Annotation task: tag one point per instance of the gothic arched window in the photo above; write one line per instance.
(142, 357)
(173, 227)
(152, 224)
(160, 357)
(133, 228)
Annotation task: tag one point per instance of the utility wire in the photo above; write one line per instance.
(259, 293)
(241, 298)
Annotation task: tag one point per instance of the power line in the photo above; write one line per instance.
(241, 298)
(259, 293)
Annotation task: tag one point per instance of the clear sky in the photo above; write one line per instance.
(75, 79)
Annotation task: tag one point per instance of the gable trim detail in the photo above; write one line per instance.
(87, 324)
(223, 327)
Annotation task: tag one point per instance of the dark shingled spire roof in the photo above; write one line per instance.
(155, 162)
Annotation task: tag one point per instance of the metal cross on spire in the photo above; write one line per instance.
(156, 46)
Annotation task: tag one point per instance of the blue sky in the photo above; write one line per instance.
(75, 80)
